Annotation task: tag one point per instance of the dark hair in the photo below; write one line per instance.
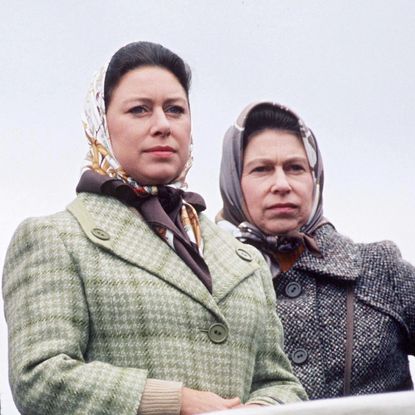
(267, 115)
(138, 54)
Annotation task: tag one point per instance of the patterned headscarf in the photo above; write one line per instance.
(234, 209)
(102, 160)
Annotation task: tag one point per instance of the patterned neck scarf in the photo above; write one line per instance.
(101, 160)
(234, 209)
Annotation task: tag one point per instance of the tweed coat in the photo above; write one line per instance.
(311, 302)
(96, 303)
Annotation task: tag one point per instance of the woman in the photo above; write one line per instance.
(130, 300)
(348, 310)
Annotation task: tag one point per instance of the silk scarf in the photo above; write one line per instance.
(234, 209)
(101, 159)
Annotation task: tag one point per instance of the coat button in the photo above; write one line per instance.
(244, 254)
(100, 234)
(293, 289)
(299, 356)
(218, 333)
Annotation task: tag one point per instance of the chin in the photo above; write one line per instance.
(155, 180)
(279, 230)
(158, 175)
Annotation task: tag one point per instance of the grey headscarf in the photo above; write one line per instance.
(234, 209)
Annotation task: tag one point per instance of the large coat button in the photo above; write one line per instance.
(293, 289)
(244, 254)
(218, 333)
(100, 234)
(299, 356)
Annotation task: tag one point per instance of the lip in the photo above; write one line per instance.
(161, 151)
(282, 208)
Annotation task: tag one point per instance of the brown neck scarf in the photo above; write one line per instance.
(160, 212)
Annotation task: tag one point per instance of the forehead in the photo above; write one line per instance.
(148, 81)
(273, 142)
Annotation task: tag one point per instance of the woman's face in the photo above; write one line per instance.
(148, 120)
(276, 181)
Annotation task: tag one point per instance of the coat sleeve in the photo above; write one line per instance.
(403, 275)
(273, 380)
(48, 324)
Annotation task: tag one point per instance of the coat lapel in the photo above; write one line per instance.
(340, 259)
(229, 261)
(131, 239)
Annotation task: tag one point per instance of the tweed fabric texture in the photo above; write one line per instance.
(315, 320)
(91, 319)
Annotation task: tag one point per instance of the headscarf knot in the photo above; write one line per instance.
(272, 244)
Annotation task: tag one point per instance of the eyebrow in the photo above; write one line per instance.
(297, 158)
(146, 100)
(268, 159)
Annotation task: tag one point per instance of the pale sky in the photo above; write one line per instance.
(346, 66)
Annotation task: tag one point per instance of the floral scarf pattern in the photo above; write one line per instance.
(101, 159)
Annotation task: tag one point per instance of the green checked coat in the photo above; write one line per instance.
(96, 303)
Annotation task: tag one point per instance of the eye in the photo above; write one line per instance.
(296, 168)
(261, 169)
(137, 110)
(175, 109)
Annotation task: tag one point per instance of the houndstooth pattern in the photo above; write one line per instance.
(88, 324)
(384, 319)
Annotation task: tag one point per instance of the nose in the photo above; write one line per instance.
(280, 183)
(160, 124)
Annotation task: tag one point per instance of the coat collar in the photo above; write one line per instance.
(121, 230)
(341, 258)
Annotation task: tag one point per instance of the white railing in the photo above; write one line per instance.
(398, 403)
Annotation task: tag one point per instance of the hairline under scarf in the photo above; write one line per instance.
(234, 208)
(100, 156)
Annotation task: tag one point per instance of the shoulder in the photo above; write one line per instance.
(39, 237)
(40, 228)
(383, 253)
(388, 282)
(376, 254)
(64, 220)
(45, 230)
(329, 236)
(383, 262)
(344, 259)
(383, 279)
(37, 249)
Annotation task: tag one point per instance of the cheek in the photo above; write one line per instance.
(308, 198)
(112, 124)
(122, 129)
(184, 149)
(117, 136)
(252, 197)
